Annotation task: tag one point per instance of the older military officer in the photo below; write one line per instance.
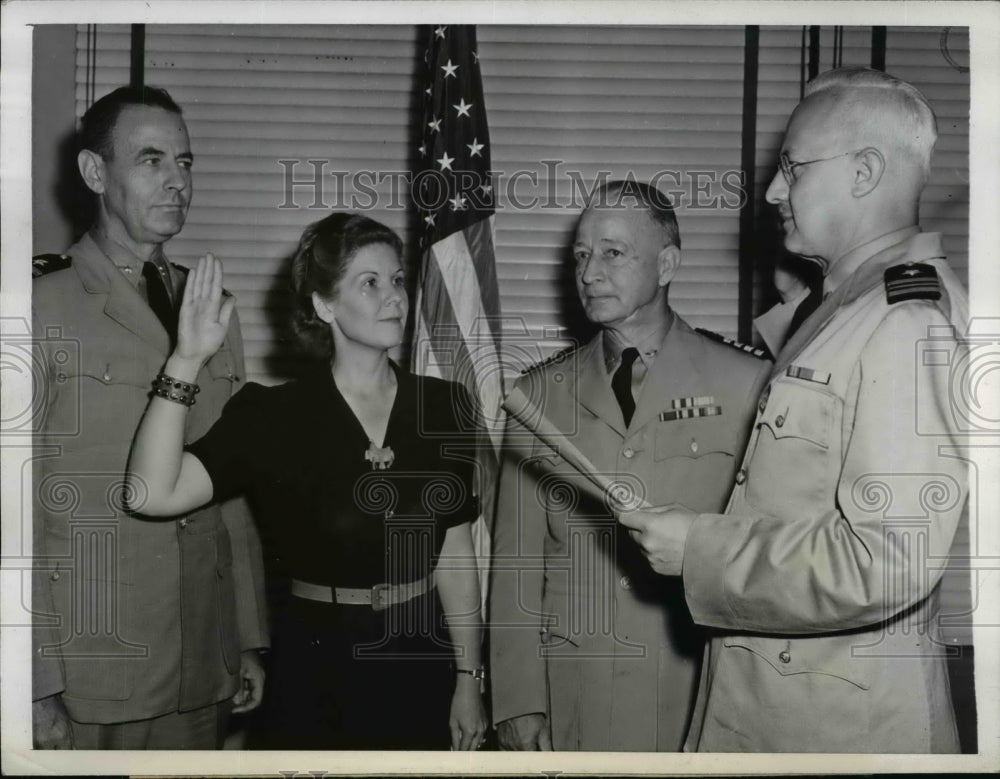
(590, 651)
(146, 629)
(822, 575)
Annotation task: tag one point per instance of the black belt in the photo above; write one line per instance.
(379, 597)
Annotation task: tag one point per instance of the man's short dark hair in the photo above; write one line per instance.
(615, 194)
(98, 125)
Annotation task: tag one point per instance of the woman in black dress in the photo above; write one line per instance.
(362, 473)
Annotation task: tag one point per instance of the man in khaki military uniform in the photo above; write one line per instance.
(145, 630)
(590, 650)
(821, 577)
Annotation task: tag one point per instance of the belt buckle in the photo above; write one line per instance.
(380, 600)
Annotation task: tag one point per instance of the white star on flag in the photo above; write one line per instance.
(435, 125)
(457, 327)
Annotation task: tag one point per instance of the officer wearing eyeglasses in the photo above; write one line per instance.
(821, 577)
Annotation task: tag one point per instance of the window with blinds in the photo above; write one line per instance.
(567, 107)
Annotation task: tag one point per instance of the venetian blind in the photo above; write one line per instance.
(566, 106)
(571, 106)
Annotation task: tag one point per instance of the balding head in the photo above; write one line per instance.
(873, 108)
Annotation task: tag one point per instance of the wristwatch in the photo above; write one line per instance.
(475, 673)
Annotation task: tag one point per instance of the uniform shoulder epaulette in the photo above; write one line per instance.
(553, 359)
(911, 281)
(760, 354)
(49, 263)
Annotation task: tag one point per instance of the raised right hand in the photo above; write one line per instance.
(526, 733)
(50, 725)
(205, 311)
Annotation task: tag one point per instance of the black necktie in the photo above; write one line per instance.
(159, 299)
(621, 383)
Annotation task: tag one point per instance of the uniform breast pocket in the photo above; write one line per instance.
(695, 462)
(797, 432)
(110, 393)
(797, 411)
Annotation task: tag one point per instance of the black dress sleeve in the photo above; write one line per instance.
(230, 449)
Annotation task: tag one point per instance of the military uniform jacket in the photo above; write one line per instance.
(822, 575)
(135, 617)
(581, 628)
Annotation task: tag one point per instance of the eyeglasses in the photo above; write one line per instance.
(788, 167)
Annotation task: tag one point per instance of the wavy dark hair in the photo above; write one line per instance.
(319, 265)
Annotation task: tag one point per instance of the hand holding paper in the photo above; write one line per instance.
(661, 532)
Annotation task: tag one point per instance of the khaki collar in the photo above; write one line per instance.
(842, 269)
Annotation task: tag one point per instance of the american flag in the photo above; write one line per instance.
(457, 329)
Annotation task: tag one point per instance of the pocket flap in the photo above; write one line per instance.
(222, 365)
(796, 411)
(694, 438)
(829, 655)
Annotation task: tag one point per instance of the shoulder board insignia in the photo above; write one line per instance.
(912, 281)
(758, 353)
(49, 263)
(552, 359)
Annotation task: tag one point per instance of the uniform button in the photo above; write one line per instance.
(107, 376)
(785, 657)
(779, 420)
(741, 476)
(183, 523)
(762, 404)
(628, 452)
(694, 445)
(54, 576)
(314, 642)
(626, 583)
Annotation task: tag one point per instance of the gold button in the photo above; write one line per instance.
(741, 476)
(785, 657)
(54, 576)
(626, 583)
(694, 445)
(628, 452)
(762, 404)
(183, 523)
(107, 376)
(780, 420)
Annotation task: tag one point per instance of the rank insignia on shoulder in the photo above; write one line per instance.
(912, 281)
(552, 359)
(49, 263)
(759, 353)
